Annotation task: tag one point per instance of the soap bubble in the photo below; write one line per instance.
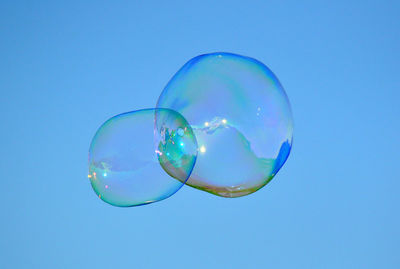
(241, 117)
(141, 157)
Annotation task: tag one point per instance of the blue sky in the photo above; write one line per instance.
(67, 66)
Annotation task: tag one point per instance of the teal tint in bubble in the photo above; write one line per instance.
(132, 158)
(241, 117)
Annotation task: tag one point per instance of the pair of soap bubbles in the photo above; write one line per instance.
(223, 124)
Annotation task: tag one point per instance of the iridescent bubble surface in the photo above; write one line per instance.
(241, 117)
(134, 161)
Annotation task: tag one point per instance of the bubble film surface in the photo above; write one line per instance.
(241, 117)
(141, 157)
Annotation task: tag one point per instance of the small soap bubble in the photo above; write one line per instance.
(136, 158)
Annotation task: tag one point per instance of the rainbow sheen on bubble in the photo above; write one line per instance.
(141, 157)
(241, 118)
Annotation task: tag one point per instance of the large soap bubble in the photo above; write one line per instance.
(241, 117)
(132, 158)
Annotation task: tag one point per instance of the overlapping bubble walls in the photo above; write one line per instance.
(223, 124)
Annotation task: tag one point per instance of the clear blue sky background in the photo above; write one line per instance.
(65, 67)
